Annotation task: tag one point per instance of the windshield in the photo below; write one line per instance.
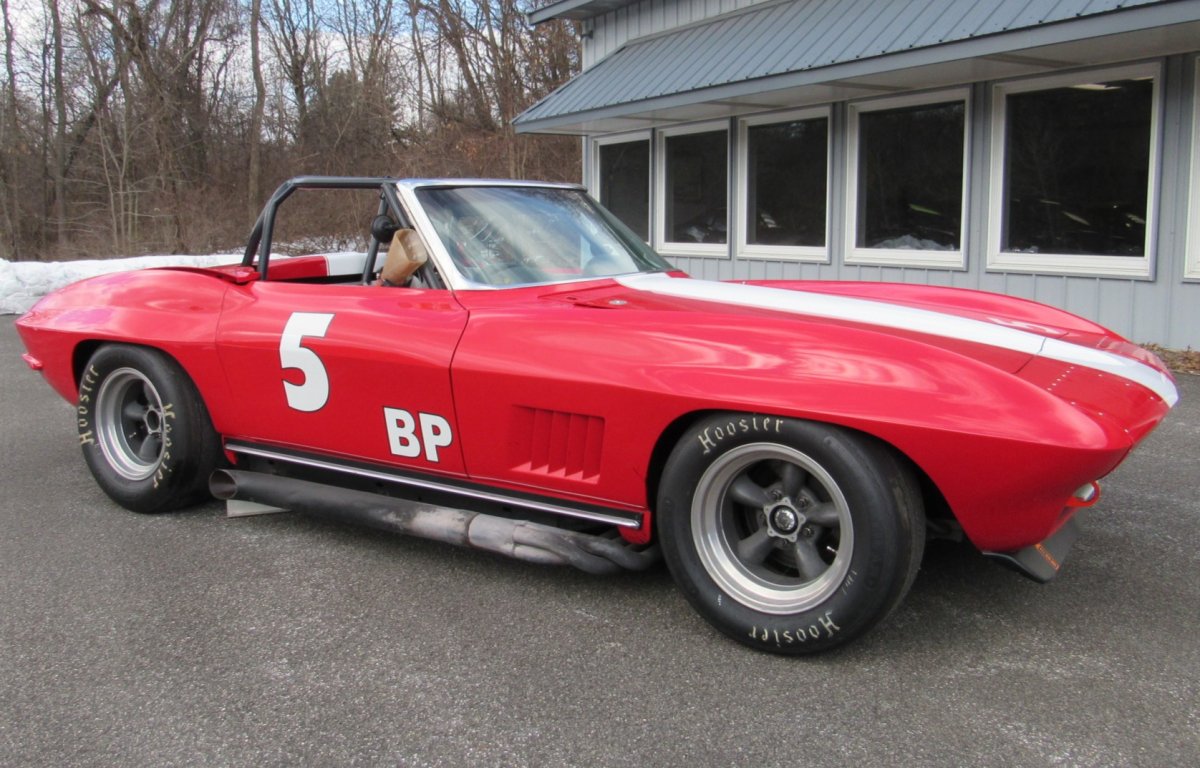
(500, 236)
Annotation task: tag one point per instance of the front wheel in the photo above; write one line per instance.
(145, 433)
(789, 536)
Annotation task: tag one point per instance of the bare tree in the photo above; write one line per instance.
(254, 173)
(126, 126)
(59, 155)
(293, 35)
(9, 131)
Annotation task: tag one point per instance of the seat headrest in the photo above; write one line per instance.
(405, 255)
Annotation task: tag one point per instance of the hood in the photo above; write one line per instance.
(951, 317)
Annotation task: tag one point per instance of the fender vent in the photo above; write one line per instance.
(559, 444)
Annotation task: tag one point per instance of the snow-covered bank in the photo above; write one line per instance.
(24, 282)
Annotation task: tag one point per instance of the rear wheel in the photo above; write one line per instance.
(789, 536)
(145, 433)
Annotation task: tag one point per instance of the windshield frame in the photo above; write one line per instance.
(409, 191)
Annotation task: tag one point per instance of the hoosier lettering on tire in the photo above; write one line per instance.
(789, 536)
(145, 433)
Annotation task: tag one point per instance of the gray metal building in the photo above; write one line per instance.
(1040, 148)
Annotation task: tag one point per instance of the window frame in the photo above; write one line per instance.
(1091, 265)
(659, 194)
(897, 257)
(803, 253)
(594, 165)
(1192, 248)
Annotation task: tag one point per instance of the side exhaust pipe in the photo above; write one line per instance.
(520, 539)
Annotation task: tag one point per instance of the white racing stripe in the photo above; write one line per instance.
(900, 317)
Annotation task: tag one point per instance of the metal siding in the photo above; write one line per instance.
(1148, 322)
(1179, 308)
(1083, 297)
(975, 240)
(1052, 290)
(1116, 305)
(1184, 329)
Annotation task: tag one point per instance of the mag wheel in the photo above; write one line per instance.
(145, 433)
(772, 528)
(787, 535)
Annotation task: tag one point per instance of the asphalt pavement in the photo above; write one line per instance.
(195, 639)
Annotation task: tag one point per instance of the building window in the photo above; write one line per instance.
(623, 181)
(1193, 236)
(783, 189)
(1073, 165)
(906, 180)
(694, 190)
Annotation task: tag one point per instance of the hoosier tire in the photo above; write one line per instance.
(144, 430)
(789, 536)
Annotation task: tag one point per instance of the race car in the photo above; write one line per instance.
(508, 367)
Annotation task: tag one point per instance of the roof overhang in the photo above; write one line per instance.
(576, 10)
(1142, 32)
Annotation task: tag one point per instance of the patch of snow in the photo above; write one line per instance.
(22, 283)
(912, 243)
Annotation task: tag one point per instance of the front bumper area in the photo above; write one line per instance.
(1041, 561)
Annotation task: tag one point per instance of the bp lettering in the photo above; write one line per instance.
(410, 436)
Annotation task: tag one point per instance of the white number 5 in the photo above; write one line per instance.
(314, 392)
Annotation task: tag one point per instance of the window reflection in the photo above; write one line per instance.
(625, 183)
(786, 183)
(697, 184)
(1077, 164)
(910, 178)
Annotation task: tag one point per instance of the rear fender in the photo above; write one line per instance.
(174, 311)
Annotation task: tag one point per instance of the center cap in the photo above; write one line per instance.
(785, 520)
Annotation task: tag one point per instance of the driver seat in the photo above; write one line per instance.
(405, 255)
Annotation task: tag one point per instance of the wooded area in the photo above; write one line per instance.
(159, 126)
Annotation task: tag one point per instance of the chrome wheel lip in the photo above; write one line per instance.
(718, 554)
(117, 429)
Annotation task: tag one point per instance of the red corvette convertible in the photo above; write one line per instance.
(508, 367)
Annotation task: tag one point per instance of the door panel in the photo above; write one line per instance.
(357, 371)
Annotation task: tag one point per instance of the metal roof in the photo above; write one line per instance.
(809, 41)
